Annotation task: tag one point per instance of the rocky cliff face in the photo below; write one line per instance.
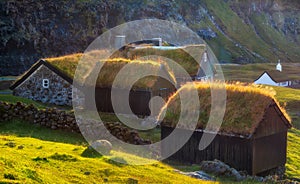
(238, 31)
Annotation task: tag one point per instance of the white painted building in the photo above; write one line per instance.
(274, 77)
(269, 79)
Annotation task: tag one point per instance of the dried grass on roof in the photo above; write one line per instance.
(187, 60)
(245, 106)
(135, 68)
(68, 65)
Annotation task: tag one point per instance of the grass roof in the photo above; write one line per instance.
(68, 65)
(245, 106)
(135, 68)
(187, 60)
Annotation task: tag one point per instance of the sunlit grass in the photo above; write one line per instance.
(34, 163)
(187, 58)
(243, 100)
(290, 99)
(14, 99)
(110, 68)
(10, 98)
(293, 156)
(34, 159)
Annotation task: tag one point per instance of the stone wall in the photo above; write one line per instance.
(58, 93)
(59, 119)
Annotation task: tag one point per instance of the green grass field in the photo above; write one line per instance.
(290, 98)
(51, 156)
(33, 154)
(14, 99)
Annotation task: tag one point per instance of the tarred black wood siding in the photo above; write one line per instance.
(234, 151)
(138, 99)
(264, 150)
(269, 152)
(270, 142)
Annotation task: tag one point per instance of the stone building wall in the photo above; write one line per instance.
(58, 93)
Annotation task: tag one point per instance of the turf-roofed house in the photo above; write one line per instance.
(50, 81)
(161, 83)
(252, 137)
(194, 59)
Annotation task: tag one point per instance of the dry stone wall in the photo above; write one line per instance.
(60, 119)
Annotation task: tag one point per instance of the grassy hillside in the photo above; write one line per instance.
(253, 35)
(238, 30)
(33, 154)
(278, 41)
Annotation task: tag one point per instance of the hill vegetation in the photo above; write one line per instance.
(238, 31)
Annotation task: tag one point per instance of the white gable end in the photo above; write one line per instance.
(265, 79)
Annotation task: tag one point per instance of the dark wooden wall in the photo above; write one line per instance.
(234, 151)
(271, 124)
(254, 155)
(138, 99)
(270, 141)
(269, 152)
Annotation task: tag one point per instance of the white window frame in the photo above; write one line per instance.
(46, 83)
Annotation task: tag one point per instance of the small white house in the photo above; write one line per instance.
(273, 78)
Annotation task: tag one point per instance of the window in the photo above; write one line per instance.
(45, 83)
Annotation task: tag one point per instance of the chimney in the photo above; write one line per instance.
(120, 41)
(159, 40)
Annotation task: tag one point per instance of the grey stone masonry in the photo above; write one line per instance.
(58, 91)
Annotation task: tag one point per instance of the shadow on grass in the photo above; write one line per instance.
(25, 129)
(90, 152)
(10, 98)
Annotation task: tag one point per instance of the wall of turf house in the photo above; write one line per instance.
(56, 91)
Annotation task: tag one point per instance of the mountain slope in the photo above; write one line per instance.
(238, 31)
